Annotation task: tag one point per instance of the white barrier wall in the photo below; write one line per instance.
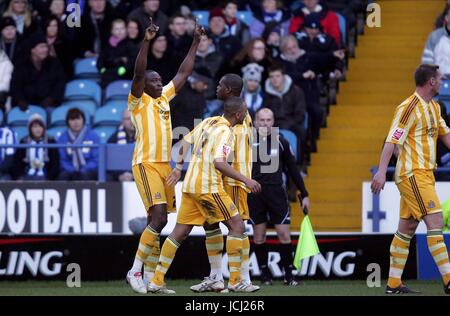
(390, 203)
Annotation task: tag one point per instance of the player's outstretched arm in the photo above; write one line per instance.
(379, 178)
(140, 66)
(228, 171)
(187, 65)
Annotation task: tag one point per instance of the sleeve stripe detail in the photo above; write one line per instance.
(407, 113)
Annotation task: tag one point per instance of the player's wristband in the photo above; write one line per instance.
(179, 167)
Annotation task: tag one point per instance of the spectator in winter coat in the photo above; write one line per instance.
(270, 11)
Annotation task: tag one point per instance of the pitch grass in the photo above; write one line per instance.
(120, 288)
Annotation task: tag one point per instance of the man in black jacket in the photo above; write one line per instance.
(40, 79)
(287, 101)
(273, 157)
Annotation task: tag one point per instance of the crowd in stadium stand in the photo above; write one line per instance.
(291, 56)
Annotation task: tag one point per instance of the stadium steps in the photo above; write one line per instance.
(378, 79)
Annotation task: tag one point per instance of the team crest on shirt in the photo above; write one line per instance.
(431, 204)
(165, 115)
(398, 133)
(157, 195)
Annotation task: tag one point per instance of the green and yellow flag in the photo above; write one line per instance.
(307, 244)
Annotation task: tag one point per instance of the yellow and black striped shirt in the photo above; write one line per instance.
(415, 129)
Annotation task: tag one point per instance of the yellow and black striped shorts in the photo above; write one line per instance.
(418, 196)
(150, 179)
(196, 209)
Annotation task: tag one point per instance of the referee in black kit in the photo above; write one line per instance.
(272, 156)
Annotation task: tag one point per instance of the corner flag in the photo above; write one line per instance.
(307, 244)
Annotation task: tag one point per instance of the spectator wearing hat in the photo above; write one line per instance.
(207, 56)
(190, 102)
(328, 19)
(20, 12)
(39, 79)
(226, 43)
(7, 137)
(270, 11)
(80, 163)
(233, 25)
(125, 134)
(6, 69)
(10, 40)
(150, 9)
(320, 47)
(34, 163)
(252, 92)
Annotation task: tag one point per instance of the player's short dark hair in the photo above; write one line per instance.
(424, 73)
(75, 113)
(234, 83)
(233, 105)
(276, 67)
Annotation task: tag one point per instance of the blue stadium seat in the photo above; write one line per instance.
(55, 132)
(58, 117)
(119, 104)
(118, 157)
(83, 89)
(85, 105)
(245, 16)
(86, 68)
(342, 28)
(291, 138)
(447, 106)
(1, 118)
(17, 117)
(21, 132)
(306, 121)
(108, 116)
(105, 132)
(118, 89)
(202, 17)
(444, 92)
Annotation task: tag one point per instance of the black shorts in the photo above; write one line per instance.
(271, 205)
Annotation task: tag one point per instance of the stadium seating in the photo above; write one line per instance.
(86, 68)
(444, 92)
(119, 104)
(118, 90)
(83, 89)
(447, 106)
(125, 154)
(21, 132)
(17, 117)
(108, 116)
(58, 117)
(56, 131)
(291, 138)
(105, 132)
(203, 16)
(84, 105)
(1, 118)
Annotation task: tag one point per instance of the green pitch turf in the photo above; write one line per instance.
(316, 288)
